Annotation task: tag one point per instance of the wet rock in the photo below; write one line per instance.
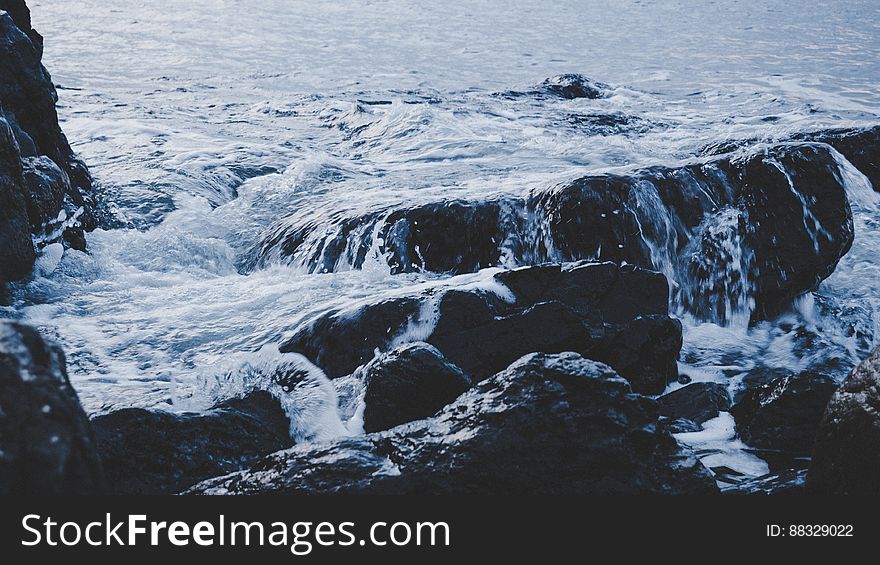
(409, 383)
(46, 443)
(699, 402)
(150, 452)
(784, 414)
(53, 179)
(861, 147)
(615, 314)
(17, 253)
(742, 233)
(846, 456)
(504, 436)
(570, 86)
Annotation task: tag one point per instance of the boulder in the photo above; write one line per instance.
(411, 382)
(846, 455)
(152, 452)
(615, 314)
(698, 402)
(549, 424)
(46, 444)
(784, 414)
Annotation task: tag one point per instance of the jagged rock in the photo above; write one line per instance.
(861, 147)
(46, 443)
(54, 180)
(846, 456)
(504, 436)
(784, 414)
(150, 452)
(409, 383)
(698, 402)
(615, 314)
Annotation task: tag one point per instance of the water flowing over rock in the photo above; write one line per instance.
(739, 236)
(46, 443)
(150, 452)
(45, 190)
(617, 315)
(846, 456)
(549, 424)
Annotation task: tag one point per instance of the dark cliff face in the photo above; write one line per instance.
(45, 189)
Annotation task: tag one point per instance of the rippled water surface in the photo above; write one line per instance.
(206, 123)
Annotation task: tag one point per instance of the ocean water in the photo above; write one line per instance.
(206, 124)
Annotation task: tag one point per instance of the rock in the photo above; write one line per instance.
(846, 456)
(610, 313)
(39, 173)
(46, 444)
(698, 402)
(784, 414)
(570, 86)
(861, 147)
(549, 424)
(17, 253)
(737, 233)
(151, 452)
(409, 383)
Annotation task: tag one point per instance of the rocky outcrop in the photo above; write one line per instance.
(617, 315)
(151, 452)
(409, 383)
(45, 189)
(549, 424)
(46, 443)
(736, 233)
(846, 456)
(784, 414)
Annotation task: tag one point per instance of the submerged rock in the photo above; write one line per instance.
(615, 314)
(784, 414)
(409, 383)
(698, 402)
(549, 424)
(46, 443)
(41, 180)
(846, 456)
(150, 452)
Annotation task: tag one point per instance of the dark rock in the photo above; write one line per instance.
(46, 443)
(149, 452)
(504, 436)
(698, 402)
(644, 351)
(409, 383)
(549, 327)
(53, 180)
(846, 456)
(861, 147)
(17, 253)
(570, 86)
(784, 414)
(610, 313)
